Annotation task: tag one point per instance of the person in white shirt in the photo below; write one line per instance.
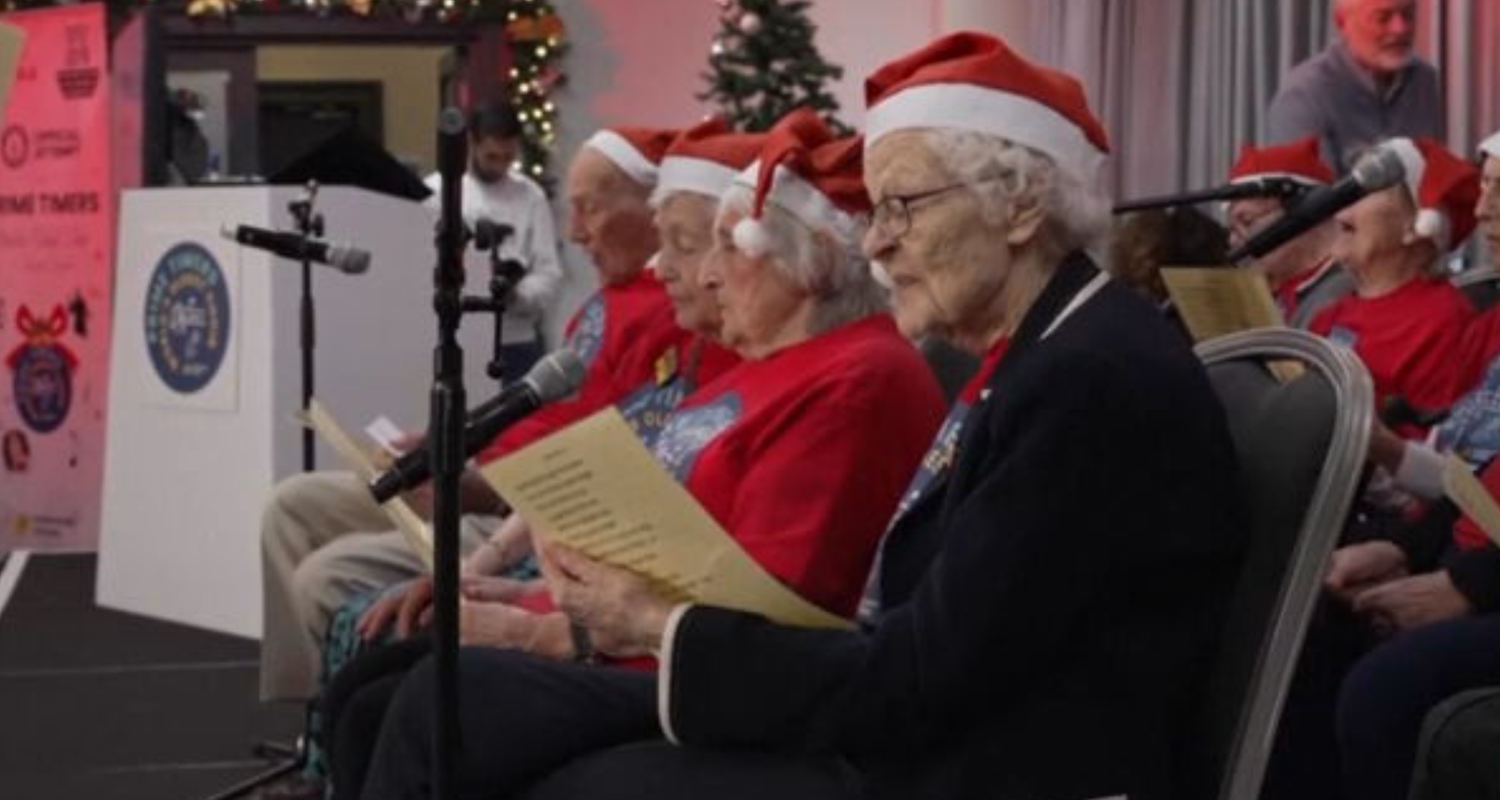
(495, 190)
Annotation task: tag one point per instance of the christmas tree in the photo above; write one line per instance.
(764, 63)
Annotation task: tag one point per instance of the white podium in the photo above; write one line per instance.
(205, 380)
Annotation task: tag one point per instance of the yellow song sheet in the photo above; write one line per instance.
(418, 533)
(1215, 301)
(12, 41)
(1466, 492)
(596, 488)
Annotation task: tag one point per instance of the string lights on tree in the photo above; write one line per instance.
(764, 62)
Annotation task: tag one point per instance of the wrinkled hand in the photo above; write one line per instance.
(510, 543)
(492, 589)
(488, 624)
(1414, 602)
(1360, 567)
(411, 610)
(623, 615)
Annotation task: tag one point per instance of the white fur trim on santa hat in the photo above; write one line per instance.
(801, 199)
(1272, 176)
(619, 150)
(1414, 164)
(1491, 146)
(1430, 223)
(688, 174)
(985, 110)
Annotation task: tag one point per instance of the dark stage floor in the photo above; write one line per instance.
(102, 705)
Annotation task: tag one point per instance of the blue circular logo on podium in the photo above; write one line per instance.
(187, 318)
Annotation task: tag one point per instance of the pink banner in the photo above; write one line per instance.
(57, 226)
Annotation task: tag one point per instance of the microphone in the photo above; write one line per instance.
(1281, 188)
(1379, 169)
(554, 377)
(344, 258)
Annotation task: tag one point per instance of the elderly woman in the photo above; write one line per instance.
(800, 453)
(1425, 600)
(1051, 583)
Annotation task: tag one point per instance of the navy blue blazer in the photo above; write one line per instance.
(1050, 605)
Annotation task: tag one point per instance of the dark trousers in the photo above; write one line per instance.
(520, 717)
(1352, 717)
(354, 706)
(1391, 690)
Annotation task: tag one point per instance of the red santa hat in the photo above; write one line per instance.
(973, 82)
(1299, 161)
(1490, 147)
(636, 151)
(706, 157)
(1442, 186)
(809, 172)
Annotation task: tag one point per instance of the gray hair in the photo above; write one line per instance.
(999, 172)
(831, 266)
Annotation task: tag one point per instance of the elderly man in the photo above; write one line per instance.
(325, 541)
(1365, 87)
(1303, 276)
(1053, 578)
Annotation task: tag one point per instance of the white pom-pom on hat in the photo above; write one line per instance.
(1431, 224)
(751, 237)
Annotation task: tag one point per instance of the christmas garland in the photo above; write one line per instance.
(534, 33)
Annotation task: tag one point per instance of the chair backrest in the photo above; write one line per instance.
(1301, 444)
(1480, 286)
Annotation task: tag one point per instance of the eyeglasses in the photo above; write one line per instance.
(892, 215)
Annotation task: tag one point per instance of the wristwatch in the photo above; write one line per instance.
(583, 644)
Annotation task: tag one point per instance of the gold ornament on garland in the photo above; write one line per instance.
(210, 9)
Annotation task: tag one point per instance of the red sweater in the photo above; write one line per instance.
(1408, 339)
(802, 456)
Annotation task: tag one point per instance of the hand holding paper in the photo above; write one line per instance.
(595, 488)
(624, 616)
(418, 534)
(1466, 492)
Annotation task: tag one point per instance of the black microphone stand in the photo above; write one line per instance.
(445, 432)
(505, 273)
(309, 226)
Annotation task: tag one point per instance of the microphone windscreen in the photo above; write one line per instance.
(349, 260)
(557, 375)
(1378, 169)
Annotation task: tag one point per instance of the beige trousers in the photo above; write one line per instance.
(324, 542)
